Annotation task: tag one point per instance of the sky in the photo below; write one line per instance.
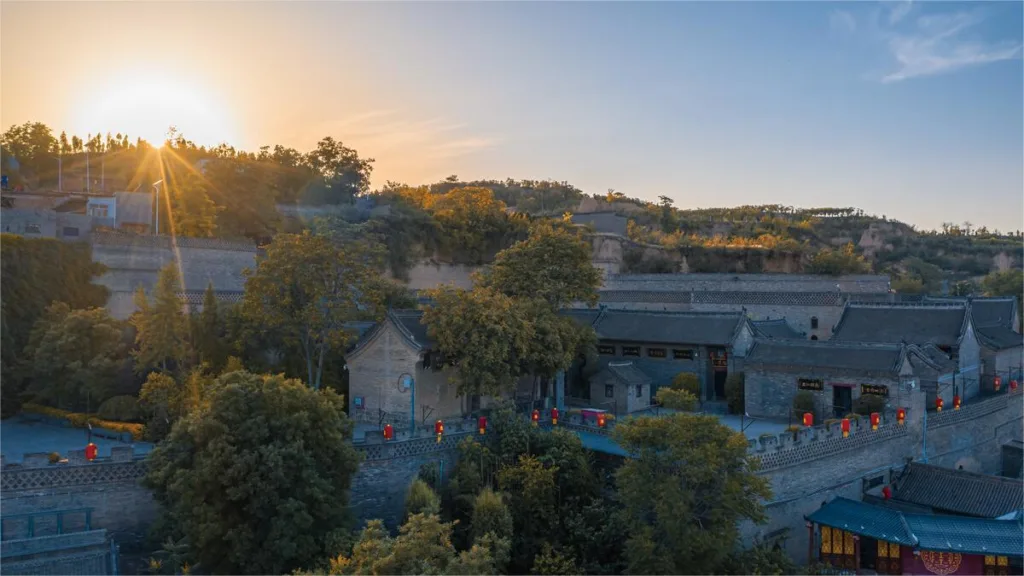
(908, 110)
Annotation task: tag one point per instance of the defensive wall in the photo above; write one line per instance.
(805, 468)
(135, 260)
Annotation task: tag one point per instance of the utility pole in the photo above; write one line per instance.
(156, 199)
(60, 173)
(88, 144)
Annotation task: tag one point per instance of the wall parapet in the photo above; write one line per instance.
(973, 410)
(792, 448)
(168, 242)
(14, 479)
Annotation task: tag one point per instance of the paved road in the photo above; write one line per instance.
(19, 436)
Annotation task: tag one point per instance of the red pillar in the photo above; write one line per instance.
(810, 543)
(856, 554)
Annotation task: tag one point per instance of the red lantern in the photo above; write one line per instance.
(956, 402)
(600, 420)
(90, 451)
(1013, 385)
(439, 430)
(808, 419)
(901, 415)
(846, 427)
(389, 432)
(997, 383)
(481, 423)
(886, 492)
(875, 419)
(535, 417)
(554, 416)
(939, 402)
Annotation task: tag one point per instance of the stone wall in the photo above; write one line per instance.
(135, 261)
(769, 392)
(812, 466)
(110, 487)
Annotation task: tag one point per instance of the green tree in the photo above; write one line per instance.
(533, 501)
(685, 490)
(341, 172)
(162, 328)
(208, 335)
(555, 563)
(258, 478)
(553, 264)
(838, 262)
(421, 499)
(306, 289)
(491, 516)
(74, 356)
(192, 212)
(676, 399)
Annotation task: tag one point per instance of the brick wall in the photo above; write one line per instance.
(769, 392)
(374, 372)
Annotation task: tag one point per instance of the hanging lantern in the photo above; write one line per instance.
(1013, 385)
(600, 420)
(554, 416)
(846, 427)
(389, 432)
(875, 419)
(90, 451)
(901, 415)
(535, 417)
(939, 402)
(886, 492)
(997, 383)
(956, 402)
(481, 423)
(808, 419)
(439, 430)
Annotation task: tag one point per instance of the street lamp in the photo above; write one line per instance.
(156, 198)
(60, 172)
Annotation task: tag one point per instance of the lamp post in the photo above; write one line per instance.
(156, 198)
(60, 173)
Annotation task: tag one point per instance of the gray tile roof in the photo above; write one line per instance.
(709, 328)
(959, 492)
(775, 298)
(920, 324)
(605, 222)
(998, 337)
(826, 354)
(584, 316)
(984, 310)
(623, 373)
(779, 329)
(980, 536)
(409, 322)
(659, 296)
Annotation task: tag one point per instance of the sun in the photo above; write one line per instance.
(147, 105)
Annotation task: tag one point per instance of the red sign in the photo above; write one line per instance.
(941, 563)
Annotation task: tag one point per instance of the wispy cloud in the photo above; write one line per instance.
(937, 45)
(391, 132)
(843, 21)
(898, 10)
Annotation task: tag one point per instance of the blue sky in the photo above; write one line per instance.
(912, 110)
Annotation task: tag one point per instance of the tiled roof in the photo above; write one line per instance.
(998, 337)
(585, 316)
(893, 323)
(980, 536)
(624, 373)
(988, 311)
(938, 358)
(779, 329)
(408, 321)
(875, 521)
(826, 354)
(959, 492)
(710, 328)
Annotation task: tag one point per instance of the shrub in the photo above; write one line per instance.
(421, 499)
(803, 402)
(869, 403)
(54, 457)
(793, 428)
(120, 409)
(676, 399)
(688, 382)
(79, 420)
(735, 393)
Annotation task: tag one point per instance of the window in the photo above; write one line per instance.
(639, 390)
(31, 228)
(631, 351)
(813, 337)
(814, 322)
(606, 350)
(609, 391)
(99, 210)
(656, 352)
(70, 231)
(682, 354)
